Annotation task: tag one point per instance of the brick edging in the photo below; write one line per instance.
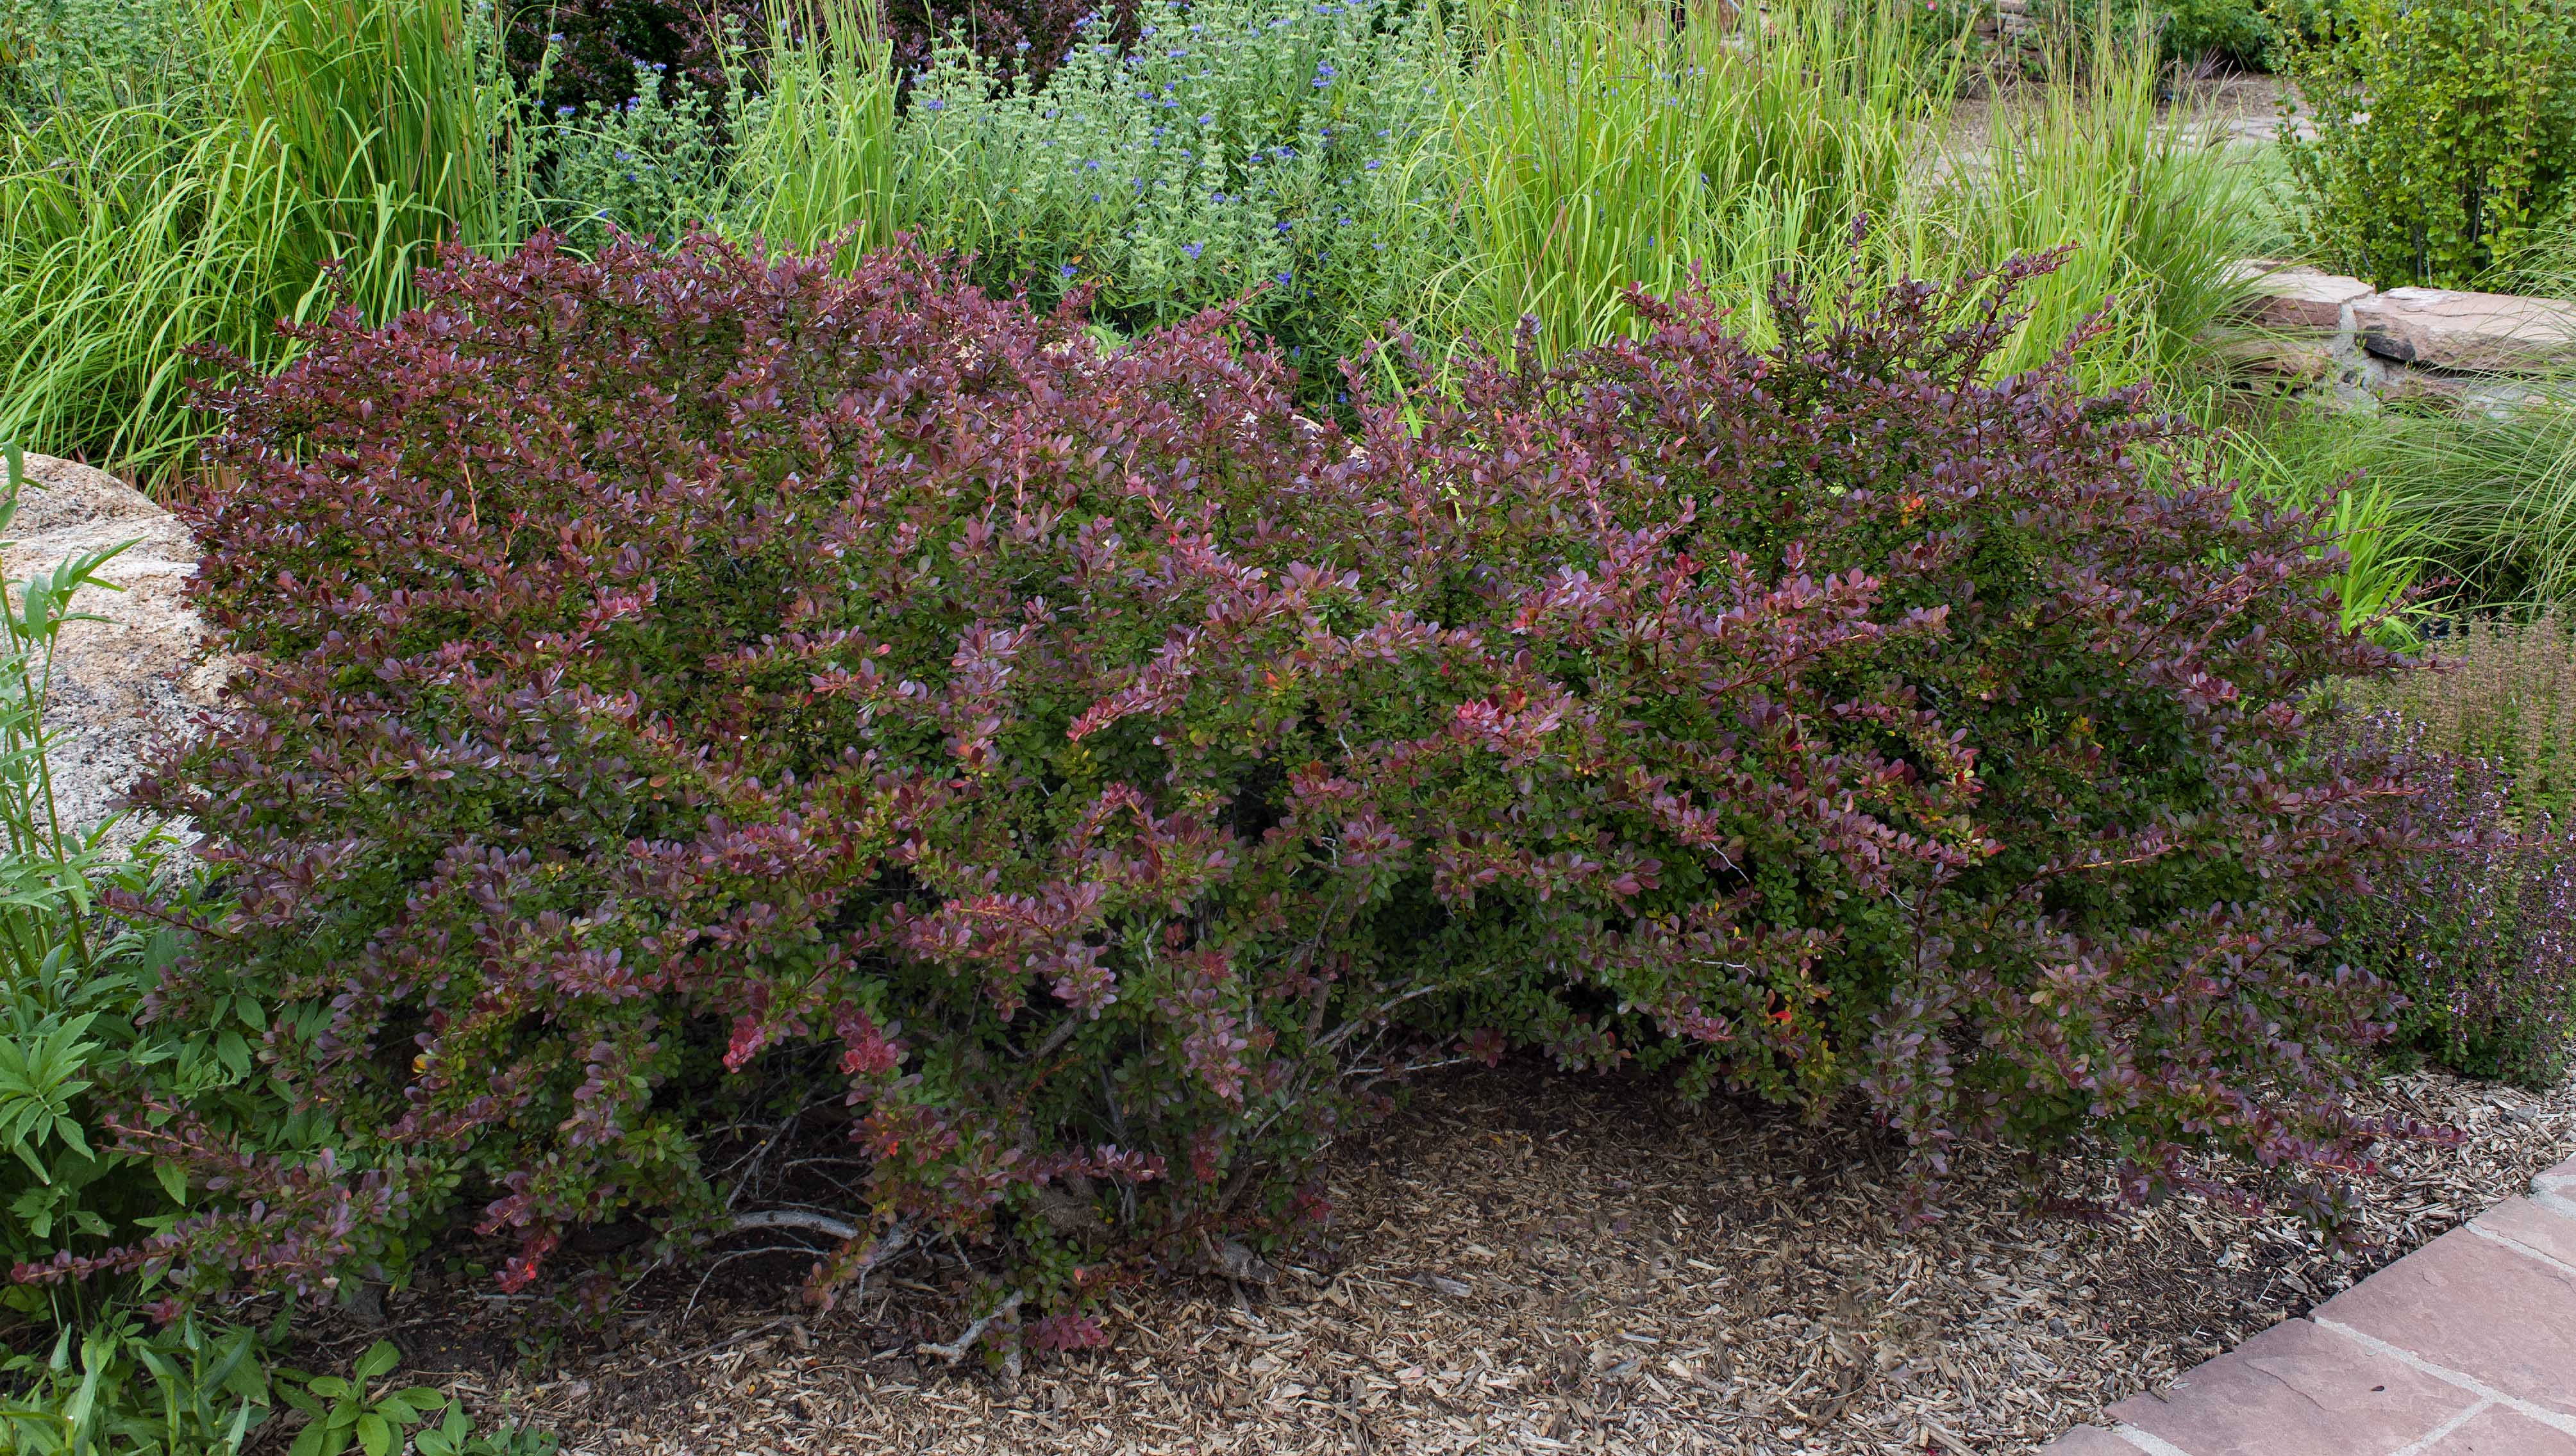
(2467, 1345)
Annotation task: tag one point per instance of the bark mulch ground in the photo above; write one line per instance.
(1531, 1263)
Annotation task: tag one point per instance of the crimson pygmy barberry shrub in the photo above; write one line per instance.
(682, 680)
(1840, 717)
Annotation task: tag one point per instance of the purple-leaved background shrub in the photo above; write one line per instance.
(2476, 923)
(598, 44)
(2476, 926)
(685, 689)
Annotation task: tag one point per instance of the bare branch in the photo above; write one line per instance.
(794, 1218)
(956, 1349)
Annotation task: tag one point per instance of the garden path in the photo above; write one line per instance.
(2465, 1347)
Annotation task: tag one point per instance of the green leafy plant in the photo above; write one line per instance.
(458, 1435)
(342, 1411)
(2446, 136)
(188, 1390)
(2236, 31)
(74, 1046)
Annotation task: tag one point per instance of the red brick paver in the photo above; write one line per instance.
(2466, 1347)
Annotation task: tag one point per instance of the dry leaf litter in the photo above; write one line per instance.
(1528, 1263)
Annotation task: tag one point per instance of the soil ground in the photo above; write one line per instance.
(1523, 1262)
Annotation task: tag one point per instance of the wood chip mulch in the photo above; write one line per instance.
(1532, 1263)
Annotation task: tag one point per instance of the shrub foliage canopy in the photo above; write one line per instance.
(689, 688)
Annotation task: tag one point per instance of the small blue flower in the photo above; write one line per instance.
(1147, 32)
(934, 104)
(1021, 47)
(1066, 270)
(660, 66)
(1208, 120)
(1283, 227)
(1373, 166)
(1091, 166)
(1193, 249)
(1283, 280)
(555, 39)
(1174, 55)
(563, 111)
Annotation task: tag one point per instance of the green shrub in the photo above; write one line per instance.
(2446, 143)
(2237, 31)
(2189, 33)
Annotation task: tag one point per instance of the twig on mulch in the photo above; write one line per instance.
(955, 1350)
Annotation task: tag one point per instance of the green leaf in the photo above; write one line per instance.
(380, 1357)
(375, 1437)
(409, 1405)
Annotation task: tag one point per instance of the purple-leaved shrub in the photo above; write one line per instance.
(682, 680)
(2475, 924)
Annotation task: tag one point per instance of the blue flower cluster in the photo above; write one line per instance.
(1260, 149)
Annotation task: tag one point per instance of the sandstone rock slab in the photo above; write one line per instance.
(2286, 297)
(121, 684)
(2297, 1390)
(2500, 1316)
(2288, 362)
(2497, 1431)
(2490, 333)
(2540, 1227)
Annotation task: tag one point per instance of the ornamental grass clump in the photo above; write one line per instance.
(691, 691)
